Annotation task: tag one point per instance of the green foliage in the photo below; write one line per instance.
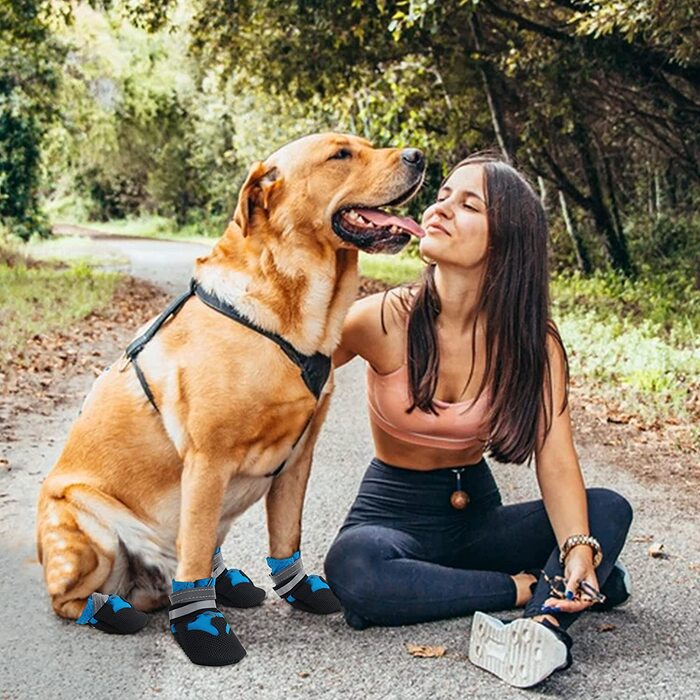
(665, 305)
(29, 62)
(627, 363)
(139, 133)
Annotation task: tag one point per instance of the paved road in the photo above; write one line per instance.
(652, 652)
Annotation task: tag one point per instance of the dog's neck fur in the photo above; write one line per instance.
(295, 292)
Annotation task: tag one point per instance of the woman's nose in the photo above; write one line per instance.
(440, 208)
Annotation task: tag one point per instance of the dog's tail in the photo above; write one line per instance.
(76, 549)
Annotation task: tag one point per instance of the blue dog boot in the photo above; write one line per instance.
(199, 628)
(308, 593)
(233, 588)
(111, 614)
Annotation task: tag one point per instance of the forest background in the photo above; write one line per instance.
(144, 117)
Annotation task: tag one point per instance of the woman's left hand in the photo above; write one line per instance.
(578, 567)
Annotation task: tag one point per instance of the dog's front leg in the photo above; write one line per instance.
(201, 498)
(198, 626)
(284, 504)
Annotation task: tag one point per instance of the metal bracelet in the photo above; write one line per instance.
(575, 540)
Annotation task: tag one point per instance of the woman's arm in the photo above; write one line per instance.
(362, 331)
(561, 483)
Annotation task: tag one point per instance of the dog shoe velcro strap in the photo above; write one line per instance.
(308, 593)
(233, 587)
(112, 614)
(200, 628)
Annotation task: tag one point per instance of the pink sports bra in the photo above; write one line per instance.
(458, 426)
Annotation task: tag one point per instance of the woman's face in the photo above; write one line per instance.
(456, 225)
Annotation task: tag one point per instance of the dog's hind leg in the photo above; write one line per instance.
(77, 552)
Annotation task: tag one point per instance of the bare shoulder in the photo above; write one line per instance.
(372, 326)
(558, 375)
(556, 352)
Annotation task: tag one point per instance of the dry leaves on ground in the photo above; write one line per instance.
(33, 379)
(657, 551)
(425, 652)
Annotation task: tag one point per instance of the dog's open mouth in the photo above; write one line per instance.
(374, 230)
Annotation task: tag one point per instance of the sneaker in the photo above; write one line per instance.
(522, 653)
(617, 589)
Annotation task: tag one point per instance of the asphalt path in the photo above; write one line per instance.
(647, 650)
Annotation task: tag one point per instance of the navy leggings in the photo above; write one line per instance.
(405, 555)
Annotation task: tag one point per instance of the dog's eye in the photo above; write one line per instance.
(342, 154)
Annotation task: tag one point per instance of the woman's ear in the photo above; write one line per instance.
(256, 190)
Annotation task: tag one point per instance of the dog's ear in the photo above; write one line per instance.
(256, 191)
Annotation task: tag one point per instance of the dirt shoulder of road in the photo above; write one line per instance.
(40, 378)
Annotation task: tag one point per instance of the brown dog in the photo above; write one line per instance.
(138, 496)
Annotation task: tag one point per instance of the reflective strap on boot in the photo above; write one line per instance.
(98, 600)
(200, 598)
(218, 564)
(295, 571)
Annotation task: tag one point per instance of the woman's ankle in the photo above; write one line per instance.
(523, 583)
(549, 618)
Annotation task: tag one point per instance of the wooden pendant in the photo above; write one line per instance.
(459, 500)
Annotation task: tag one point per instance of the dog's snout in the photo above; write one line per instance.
(413, 157)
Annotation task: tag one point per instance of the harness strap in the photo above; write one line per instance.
(144, 384)
(136, 345)
(314, 368)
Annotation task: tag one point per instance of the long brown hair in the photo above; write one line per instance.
(514, 299)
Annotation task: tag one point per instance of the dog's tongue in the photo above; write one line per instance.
(385, 220)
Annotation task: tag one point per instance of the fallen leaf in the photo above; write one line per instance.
(304, 674)
(619, 418)
(606, 627)
(425, 652)
(656, 551)
(643, 538)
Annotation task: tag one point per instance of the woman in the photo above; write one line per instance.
(465, 362)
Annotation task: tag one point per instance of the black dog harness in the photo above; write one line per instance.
(314, 368)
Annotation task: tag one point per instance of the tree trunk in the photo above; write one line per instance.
(614, 239)
(582, 258)
(494, 104)
(543, 190)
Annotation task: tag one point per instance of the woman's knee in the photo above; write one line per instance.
(611, 505)
(350, 564)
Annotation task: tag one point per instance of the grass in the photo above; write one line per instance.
(35, 298)
(155, 227)
(635, 341)
(393, 269)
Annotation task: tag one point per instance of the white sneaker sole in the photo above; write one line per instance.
(522, 653)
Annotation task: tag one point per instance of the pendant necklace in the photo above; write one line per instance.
(459, 499)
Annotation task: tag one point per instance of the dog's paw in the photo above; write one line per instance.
(312, 594)
(199, 627)
(235, 589)
(112, 614)
(207, 638)
(308, 593)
